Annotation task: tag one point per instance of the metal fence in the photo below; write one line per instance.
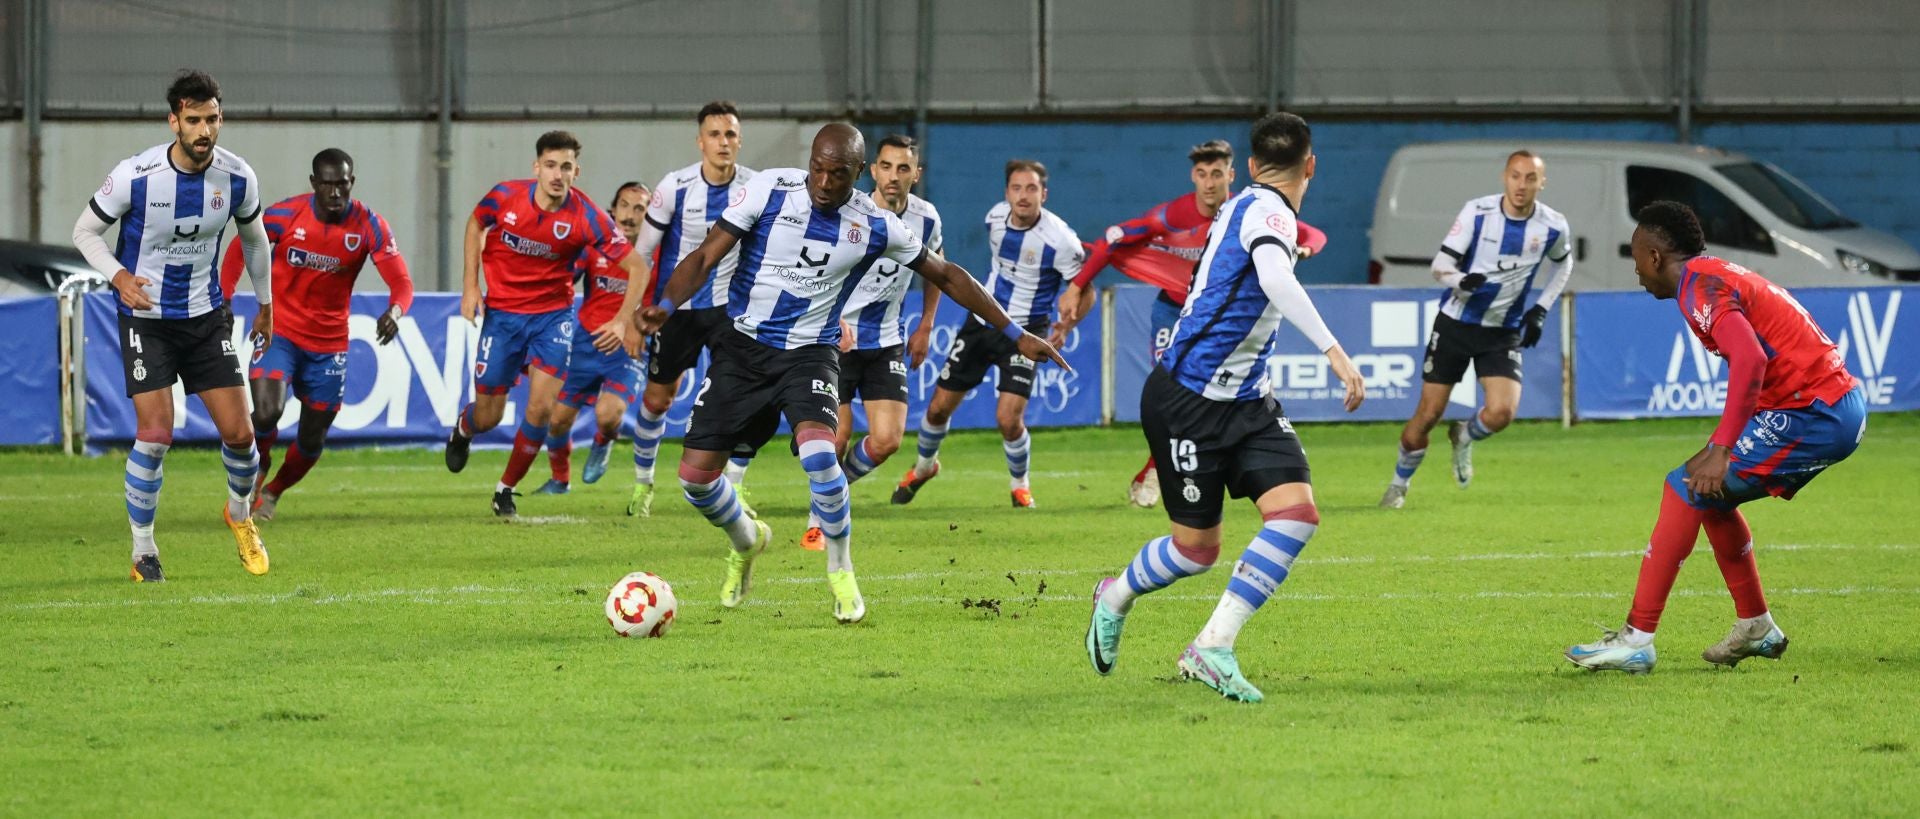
(623, 58)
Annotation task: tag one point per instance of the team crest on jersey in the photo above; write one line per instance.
(853, 235)
(353, 242)
(1029, 258)
(216, 203)
(561, 229)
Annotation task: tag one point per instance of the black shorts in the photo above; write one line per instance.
(198, 352)
(1204, 449)
(1494, 351)
(978, 347)
(750, 385)
(875, 375)
(676, 348)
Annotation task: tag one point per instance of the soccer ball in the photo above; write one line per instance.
(641, 605)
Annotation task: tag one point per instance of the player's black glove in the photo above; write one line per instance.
(1472, 281)
(1535, 321)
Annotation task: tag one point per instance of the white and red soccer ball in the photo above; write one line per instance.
(641, 605)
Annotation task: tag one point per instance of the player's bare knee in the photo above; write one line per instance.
(1012, 424)
(1496, 418)
(882, 445)
(238, 439)
(154, 435)
(1307, 513)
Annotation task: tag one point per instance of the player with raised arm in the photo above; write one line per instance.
(685, 205)
(1033, 252)
(529, 233)
(321, 241)
(805, 238)
(1792, 411)
(1497, 247)
(173, 202)
(1213, 424)
(604, 380)
(875, 348)
(1160, 247)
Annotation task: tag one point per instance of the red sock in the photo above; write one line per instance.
(561, 459)
(601, 438)
(1733, 550)
(298, 462)
(263, 441)
(1142, 474)
(525, 447)
(1673, 537)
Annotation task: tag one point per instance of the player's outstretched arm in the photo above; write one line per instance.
(470, 270)
(965, 291)
(922, 339)
(619, 329)
(1273, 263)
(687, 276)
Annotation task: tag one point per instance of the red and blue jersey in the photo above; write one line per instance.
(315, 263)
(606, 284)
(1162, 246)
(530, 257)
(1803, 365)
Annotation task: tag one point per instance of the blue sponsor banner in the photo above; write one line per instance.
(1635, 357)
(30, 345)
(409, 391)
(1383, 329)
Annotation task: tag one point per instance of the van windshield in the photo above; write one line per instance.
(1785, 196)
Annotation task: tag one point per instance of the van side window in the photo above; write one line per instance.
(1723, 221)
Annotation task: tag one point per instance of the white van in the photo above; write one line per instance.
(1752, 212)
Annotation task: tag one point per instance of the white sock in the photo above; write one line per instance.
(1765, 620)
(1636, 637)
(143, 544)
(1224, 626)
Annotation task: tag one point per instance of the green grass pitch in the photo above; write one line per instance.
(408, 655)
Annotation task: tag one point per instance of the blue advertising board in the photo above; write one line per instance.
(1635, 358)
(1383, 329)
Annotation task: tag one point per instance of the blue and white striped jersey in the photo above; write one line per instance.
(684, 207)
(1226, 330)
(1510, 252)
(172, 224)
(1029, 264)
(798, 266)
(874, 309)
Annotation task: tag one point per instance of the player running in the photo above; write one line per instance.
(1160, 248)
(1213, 425)
(685, 205)
(540, 227)
(602, 380)
(1488, 262)
(1033, 251)
(875, 349)
(321, 241)
(1792, 410)
(806, 237)
(173, 202)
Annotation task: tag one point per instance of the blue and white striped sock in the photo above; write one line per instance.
(145, 468)
(829, 506)
(243, 465)
(1158, 564)
(648, 428)
(858, 462)
(929, 446)
(1477, 429)
(1019, 452)
(1409, 461)
(720, 505)
(1259, 573)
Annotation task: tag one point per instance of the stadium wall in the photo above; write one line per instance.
(1103, 172)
